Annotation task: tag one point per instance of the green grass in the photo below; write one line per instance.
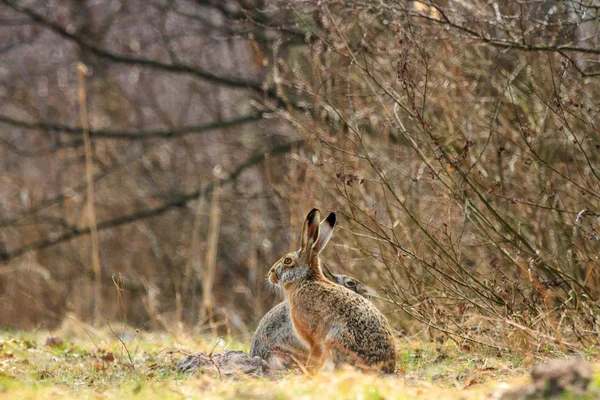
(98, 365)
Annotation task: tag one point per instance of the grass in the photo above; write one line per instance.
(96, 364)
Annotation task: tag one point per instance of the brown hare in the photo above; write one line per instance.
(330, 319)
(275, 338)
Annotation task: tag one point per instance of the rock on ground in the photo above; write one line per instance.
(227, 364)
(554, 378)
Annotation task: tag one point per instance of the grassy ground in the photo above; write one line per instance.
(96, 364)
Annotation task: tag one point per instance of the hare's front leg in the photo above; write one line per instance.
(316, 358)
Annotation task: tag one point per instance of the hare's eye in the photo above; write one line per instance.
(351, 283)
(287, 260)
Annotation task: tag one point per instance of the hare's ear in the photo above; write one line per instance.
(328, 274)
(310, 230)
(325, 232)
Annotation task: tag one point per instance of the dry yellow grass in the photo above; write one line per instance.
(96, 364)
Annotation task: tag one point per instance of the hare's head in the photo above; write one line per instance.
(348, 282)
(304, 263)
(353, 284)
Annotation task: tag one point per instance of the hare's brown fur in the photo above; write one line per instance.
(275, 340)
(329, 318)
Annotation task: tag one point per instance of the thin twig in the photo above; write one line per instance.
(124, 346)
(89, 170)
(210, 357)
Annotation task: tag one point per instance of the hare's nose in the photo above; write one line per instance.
(273, 275)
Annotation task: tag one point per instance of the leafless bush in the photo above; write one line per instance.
(458, 142)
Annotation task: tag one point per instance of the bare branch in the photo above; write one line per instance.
(180, 201)
(126, 59)
(133, 134)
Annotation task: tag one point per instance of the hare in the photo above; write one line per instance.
(330, 319)
(275, 338)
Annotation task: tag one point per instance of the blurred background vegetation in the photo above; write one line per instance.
(458, 141)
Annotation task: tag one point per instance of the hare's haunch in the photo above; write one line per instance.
(329, 318)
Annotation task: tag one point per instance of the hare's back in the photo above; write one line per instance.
(275, 318)
(363, 318)
(274, 330)
(348, 308)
